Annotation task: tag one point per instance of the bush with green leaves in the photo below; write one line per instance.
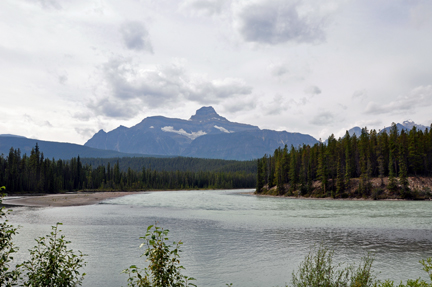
(8, 276)
(52, 263)
(319, 270)
(164, 269)
(427, 266)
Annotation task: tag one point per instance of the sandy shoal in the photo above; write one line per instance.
(69, 199)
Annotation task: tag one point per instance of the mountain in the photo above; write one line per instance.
(55, 150)
(407, 126)
(355, 131)
(206, 134)
(10, 136)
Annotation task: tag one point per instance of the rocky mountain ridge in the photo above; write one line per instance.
(206, 134)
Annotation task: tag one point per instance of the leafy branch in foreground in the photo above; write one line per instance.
(164, 262)
(52, 263)
(7, 249)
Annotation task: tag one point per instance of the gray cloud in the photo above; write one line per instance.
(113, 108)
(419, 97)
(206, 7)
(48, 4)
(313, 90)
(279, 70)
(361, 94)
(322, 119)
(136, 37)
(275, 22)
(127, 87)
(86, 132)
(236, 106)
(62, 79)
(83, 115)
(278, 105)
(342, 106)
(28, 118)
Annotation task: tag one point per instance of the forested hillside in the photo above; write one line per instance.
(174, 164)
(349, 166)
(37, 174)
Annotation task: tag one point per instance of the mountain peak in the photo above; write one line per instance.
(409, 124)
(206, 113)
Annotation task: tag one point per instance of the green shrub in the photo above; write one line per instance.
(318, 270)
(164, 262)
(52, 263)
(8, 276)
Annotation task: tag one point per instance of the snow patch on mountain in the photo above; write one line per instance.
(222, 129)
(192, 135)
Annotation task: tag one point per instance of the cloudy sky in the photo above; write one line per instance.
(71, 67)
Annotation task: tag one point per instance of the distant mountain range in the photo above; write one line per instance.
(55, 150)
(206, 134)
(406, 125)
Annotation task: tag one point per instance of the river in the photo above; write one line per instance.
(233, 237)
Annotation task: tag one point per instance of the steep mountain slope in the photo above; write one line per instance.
(206, 134)
(244, 145)
(55, 150)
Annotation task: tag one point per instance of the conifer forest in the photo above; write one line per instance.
(36, 174)
(374, 165)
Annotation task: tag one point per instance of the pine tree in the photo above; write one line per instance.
(348, 157)
(340, 187)
(303, 170)
(260, 183)
(403, 180)
(392, 182)
(322, 169)
(292, 170)
(414, 152)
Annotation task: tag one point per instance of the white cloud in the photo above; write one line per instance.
(48, 4)
(322, 119)
(128, 86)
(360, 94)
(279, 70)
(242, 104)
(313, 90)
(204, 7)
(278, 47)
(279, 21)
(419, 97)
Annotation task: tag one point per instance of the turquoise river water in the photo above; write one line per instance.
(233, 237)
